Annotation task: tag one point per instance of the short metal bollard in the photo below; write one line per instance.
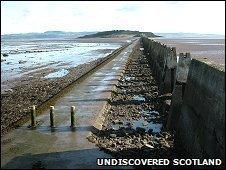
(188, 55)
(51, 116)
(72, 116)
(33, 114)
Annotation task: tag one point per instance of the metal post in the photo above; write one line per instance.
(188, 55)
(174, 51)
(33, 114)
(72, 116)
(181, 55)
(51, 116)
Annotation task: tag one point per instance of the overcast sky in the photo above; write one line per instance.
(161, 16)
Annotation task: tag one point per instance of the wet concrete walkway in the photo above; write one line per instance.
(64, 147)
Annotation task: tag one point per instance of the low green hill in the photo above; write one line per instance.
(119, 33)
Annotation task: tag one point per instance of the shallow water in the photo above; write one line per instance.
(128, 78)
(156, 127)
(59, 73)
(141, 123)
(60, 146)
(79, 54)
(138, 98)
(149, 112)
(146, 122)
(23, 58)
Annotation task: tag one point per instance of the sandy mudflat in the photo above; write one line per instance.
(28, 58)
(32, 89)
(212, 49)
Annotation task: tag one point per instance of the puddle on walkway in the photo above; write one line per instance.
(108, 78)
(100, 88)
(105, 82)
(98, 73)
(116, 68)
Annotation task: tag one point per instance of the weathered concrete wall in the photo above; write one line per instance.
(171, 76)
(175, 108)
(163, 63)
(202, 119)
(170, 70)
(182, 69)
(197, 106)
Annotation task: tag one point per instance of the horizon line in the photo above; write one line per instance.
(114, 30)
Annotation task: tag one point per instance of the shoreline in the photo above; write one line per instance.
(36, 91)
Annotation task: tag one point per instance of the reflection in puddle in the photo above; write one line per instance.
(59, 73)
(138, 98)
(100, 88)
(98, 73)
(156, 127)
(141, 123)
(116, 68)
(147, 122)
(31, 55)
(149, 112)
(107, 78)
(128, 78)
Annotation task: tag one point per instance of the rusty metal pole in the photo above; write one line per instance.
(72, 116)
(174, 51)
(51, 116)
(181, 55)
(33, 115)
(188, 55)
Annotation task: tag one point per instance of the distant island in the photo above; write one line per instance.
(119, 34)
(71, 35)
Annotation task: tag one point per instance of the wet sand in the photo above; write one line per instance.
(34, 90)
(134, 123)
(42, 58)
(62, 146)
(212, 49)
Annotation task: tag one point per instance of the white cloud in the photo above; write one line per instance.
(161, 16)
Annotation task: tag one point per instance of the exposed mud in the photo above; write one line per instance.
(212, 49)
(134, 124)
(16, 102)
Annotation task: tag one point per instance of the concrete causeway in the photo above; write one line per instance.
(64, 147)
